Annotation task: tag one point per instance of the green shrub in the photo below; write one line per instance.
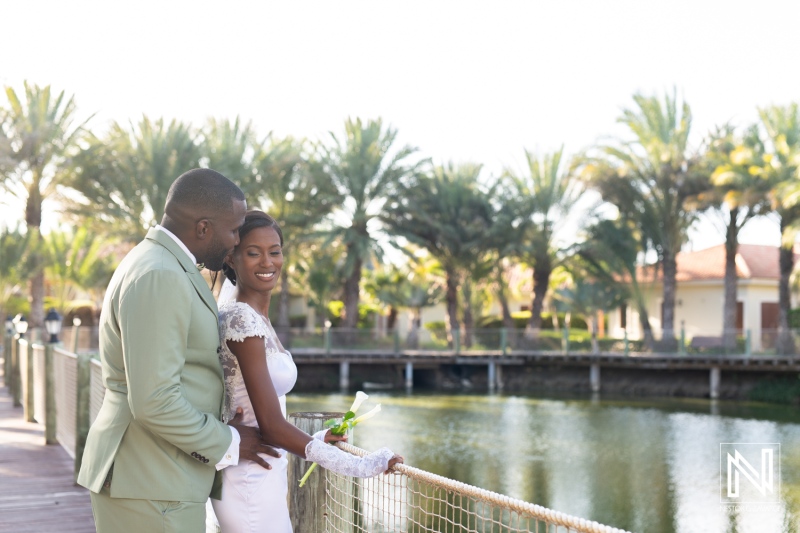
(794, 318)
(522, 318)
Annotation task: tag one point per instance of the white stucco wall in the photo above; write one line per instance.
(699, 307)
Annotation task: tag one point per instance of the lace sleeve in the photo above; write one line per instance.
(239, 321)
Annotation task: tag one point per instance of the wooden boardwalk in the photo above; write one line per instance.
(37, 492)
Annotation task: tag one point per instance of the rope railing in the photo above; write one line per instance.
(411, 500)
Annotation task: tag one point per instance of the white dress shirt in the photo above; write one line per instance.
(231, 456)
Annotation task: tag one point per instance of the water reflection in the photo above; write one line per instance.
(642, 465)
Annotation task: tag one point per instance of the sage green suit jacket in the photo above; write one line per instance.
(160, 421)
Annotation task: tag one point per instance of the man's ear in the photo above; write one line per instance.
(229, 259)
(202, 229)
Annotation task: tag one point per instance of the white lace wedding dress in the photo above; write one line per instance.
(254, 498)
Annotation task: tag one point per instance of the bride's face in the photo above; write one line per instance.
(258, 260)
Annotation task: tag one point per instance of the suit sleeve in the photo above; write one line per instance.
(154, 340)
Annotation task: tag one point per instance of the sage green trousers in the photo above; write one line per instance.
(123, 515)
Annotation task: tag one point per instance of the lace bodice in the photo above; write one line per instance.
(237, 321)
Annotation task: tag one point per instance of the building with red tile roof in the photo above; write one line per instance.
(700, 294)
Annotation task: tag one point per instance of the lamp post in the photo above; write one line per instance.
(76, 329)
(52, 323)
(20, 325)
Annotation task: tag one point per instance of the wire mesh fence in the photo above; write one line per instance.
(410, 500)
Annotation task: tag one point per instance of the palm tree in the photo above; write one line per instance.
(13, 265)
(361, 167)
(609, 254)
(297, 195)
(319, 269)
(542, 197)
(735, 163)
(78, 260)
(781, 168)
(39, 133)
(124, 177)
(649, 179)
(588, 295)
(230, 148)
(450, 214)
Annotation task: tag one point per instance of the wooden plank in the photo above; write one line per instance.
(37, 492)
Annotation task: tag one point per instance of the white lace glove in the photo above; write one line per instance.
(334, 459)
(320, 435)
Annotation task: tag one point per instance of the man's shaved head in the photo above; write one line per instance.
(205, 211)
(203, 192)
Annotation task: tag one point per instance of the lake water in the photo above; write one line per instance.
(645, 465)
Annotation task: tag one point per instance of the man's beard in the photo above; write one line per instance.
(216, 257)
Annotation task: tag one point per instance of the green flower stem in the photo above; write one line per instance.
(308, 473)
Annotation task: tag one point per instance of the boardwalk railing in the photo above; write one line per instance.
(411, 500)
(64, 392)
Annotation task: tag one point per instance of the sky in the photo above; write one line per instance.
(462, 81)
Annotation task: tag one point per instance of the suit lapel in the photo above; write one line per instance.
(199, 282)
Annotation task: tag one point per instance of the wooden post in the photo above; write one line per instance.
(714, 379)
(15, 381)
(499, 377)
(491, 376)
(344, 375)
(594, 377)
(8, 346)
(76, 331)
(26, 375)
(84, 392)
(308, 510)
(49, 396)
(409, 375)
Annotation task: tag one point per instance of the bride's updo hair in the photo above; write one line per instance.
(253, 219)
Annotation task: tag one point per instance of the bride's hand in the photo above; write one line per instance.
(325, 435)
(394, 460)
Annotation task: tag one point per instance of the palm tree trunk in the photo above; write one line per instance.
(729, 305)
(785, 343)
(33, 221)
(392, 318)
(451, 297)
(469, 322)
(351, 288)
(508, 321)
(644, 317)
(668, 341)
(541, 280)
(412, 340)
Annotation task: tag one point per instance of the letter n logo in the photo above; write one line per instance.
(749, 472)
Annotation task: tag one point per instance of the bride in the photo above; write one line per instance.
(259, 372)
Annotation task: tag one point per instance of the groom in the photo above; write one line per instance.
(152, 453)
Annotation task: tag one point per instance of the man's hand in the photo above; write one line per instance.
(252, 444)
